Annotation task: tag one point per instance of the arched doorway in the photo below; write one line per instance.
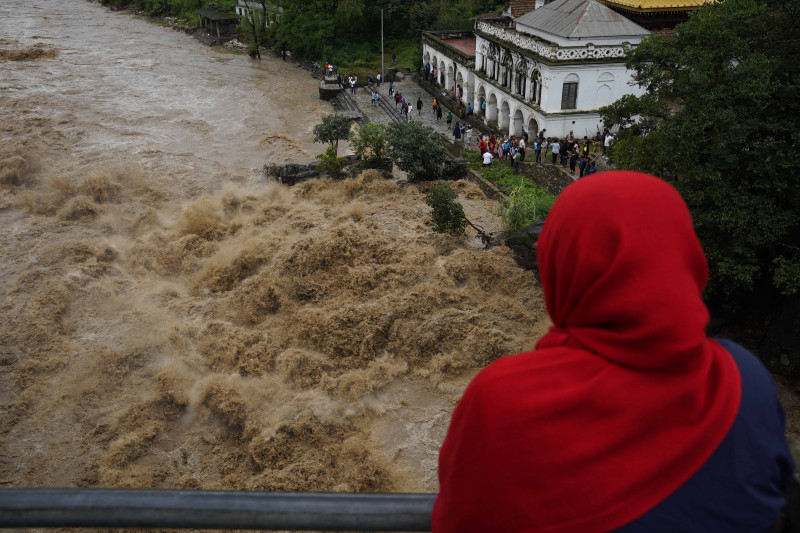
(449, 81)
(533, 128)
(441, 79)
(479, 109)
(491, 108)
(504, 118)
(516, 124)
(460, 85)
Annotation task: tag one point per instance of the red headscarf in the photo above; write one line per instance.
(624, 398)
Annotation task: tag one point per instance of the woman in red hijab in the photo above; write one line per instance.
(625, 416)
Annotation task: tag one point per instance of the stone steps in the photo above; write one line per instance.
(343, 104)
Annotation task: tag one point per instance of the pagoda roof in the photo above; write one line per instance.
(579, 19)
(655, 5)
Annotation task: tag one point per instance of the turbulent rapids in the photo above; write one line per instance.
(169, 318)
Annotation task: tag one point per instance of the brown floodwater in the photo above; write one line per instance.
(171, 318)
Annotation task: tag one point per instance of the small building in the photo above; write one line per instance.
(243, 8)
(552, 67)
(219, 23)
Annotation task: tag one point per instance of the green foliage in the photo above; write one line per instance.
(448, 215)
(417, 149)
(332, 129)
(717, 128)
(331, 164)
(517, 212)
(527, 201)
(370, 143)
(184, 9)
(255, 25)
(787, 274)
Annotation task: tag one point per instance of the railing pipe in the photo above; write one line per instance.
(214, 510)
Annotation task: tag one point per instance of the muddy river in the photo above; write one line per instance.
(170, 318)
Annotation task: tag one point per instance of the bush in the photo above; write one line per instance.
(370, 143)
(519, 211)
(448, 215)
(331, 164)
(528, 202)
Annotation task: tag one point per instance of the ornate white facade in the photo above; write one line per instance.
(536, 79)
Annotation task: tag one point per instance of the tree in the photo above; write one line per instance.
(417, 149)
(715, 123)
(257, 16)
(370, 143)
(332, 129)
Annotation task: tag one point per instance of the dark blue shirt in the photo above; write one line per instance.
(740, 487)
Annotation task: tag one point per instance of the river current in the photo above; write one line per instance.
(169, 317)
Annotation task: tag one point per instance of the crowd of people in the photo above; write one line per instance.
(569, 153)
(572, 154)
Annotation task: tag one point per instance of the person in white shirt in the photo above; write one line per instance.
(487, 159)
(607, 144)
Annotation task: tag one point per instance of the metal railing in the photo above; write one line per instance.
(307, 511)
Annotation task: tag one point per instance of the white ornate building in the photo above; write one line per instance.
(552, 67)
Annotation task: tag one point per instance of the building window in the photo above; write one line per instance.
(569, 95)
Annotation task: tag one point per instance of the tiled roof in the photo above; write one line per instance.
(467, 46)
(656, 5)
(580, 19)
(520, 7)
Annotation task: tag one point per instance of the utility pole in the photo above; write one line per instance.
(383, 71)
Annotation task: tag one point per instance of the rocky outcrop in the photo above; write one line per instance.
(294, 173)
(523, 244)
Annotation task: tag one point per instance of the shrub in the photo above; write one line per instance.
(448, 215)
(370, 143)
(331, 164)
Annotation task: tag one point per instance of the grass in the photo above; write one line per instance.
(527, 201)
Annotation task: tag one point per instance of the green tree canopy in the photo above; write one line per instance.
(417, 149)
(370, 143)
(332, 129)
(719, 124)
(448, 215)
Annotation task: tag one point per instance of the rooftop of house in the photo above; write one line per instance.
(520, 7)
(579, 19)
(213, 12)
(466, 46)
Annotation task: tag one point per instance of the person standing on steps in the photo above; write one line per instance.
(457, 132)
(419, 106)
